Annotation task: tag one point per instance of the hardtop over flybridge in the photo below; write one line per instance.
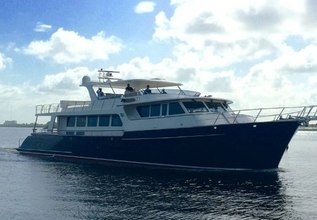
(154, 122)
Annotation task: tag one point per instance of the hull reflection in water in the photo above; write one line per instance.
(96, 191)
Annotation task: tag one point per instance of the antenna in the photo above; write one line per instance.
(106, 74)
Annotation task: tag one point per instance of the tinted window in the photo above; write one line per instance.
(144, 111)
(92, 121)
(71, 121)
(81, 121)
(215, 106)
(175, 108)
(164, 109)
(116, 120)
(195, 107)
(155, 110)
(104, 120)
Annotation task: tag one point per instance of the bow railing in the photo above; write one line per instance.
(302, 113)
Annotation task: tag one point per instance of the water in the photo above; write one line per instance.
(39, 188)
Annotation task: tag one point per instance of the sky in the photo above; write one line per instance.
(257, 53)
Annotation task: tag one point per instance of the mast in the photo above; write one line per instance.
(104, 77)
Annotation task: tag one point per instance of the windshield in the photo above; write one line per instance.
(217, 106)
(193, 106)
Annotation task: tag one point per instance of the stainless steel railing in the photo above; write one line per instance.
(304, 113)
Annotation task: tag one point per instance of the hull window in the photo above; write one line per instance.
(81, 121)
(144, 111)
(175, 109)
(116, 121)
(155, 110)
(104, 120)
(164, 109)
(70, 133)
(71, 121)
(92, 121)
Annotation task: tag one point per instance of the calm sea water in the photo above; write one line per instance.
(38, 188)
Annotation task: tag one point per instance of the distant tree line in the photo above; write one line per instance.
(21, 125)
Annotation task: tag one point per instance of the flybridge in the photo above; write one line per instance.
(106, 79)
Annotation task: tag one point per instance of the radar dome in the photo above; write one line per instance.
(86, 79)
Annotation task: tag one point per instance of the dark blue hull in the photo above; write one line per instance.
(243, 146)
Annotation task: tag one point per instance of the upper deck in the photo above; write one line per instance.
(110, 87)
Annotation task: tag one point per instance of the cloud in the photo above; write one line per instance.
(256, 53)
(214, 23)
(69, 47)
(264, 18)
(299, 62)
(144, 7)
(218, 51)
(66, 82)
(52, 89)
(40, 27)
(220, 82)
(204, 24)
(268, 47)
(9, 92)
(4, 61)
(310, 19)
(15, 104)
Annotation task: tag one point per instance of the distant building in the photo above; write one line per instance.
(10, 123)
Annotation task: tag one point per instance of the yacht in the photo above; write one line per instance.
(155, 123)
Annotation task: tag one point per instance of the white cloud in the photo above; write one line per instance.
(69, 47)
(40, 27)
(302, 61)
(243, 51)
(265, 84)
(255, 26)
(13, 99)
(144, 7)
(4, 61)
(9, 92)
(222, 82)
(246, 18)
(64, 82)
(53, 88)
